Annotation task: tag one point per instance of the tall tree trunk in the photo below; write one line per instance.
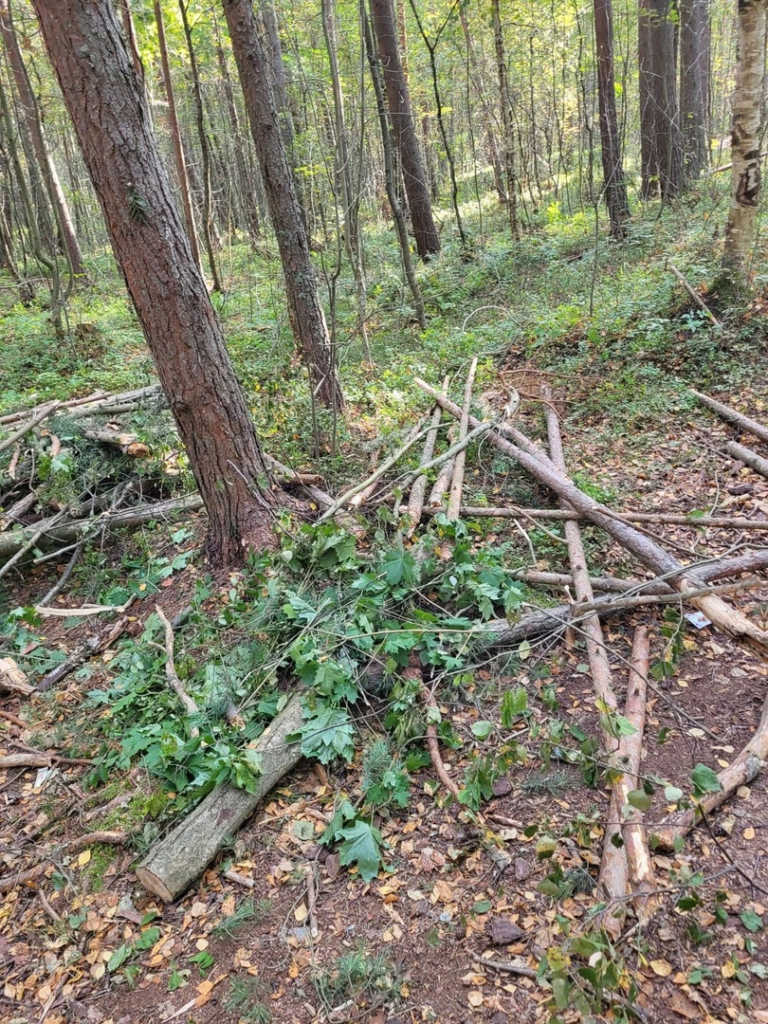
(178, 148)
(389, 165)
(350, 198)
(31, 113)
(205, 149)
(614, 187)
(661, 152)
(246, 188)
(694, 85)
(277, 76)
(106, 102)
(130, 37)
(305, 311)
(745, 141)
(404, 129)
(505, 101)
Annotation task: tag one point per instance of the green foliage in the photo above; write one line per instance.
(244, 998)
(385, 782)
(355, 975)
(360, 843)
(248, 910)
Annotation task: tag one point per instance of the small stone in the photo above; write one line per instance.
(332, 866)
(522, 868)
(740, 489)
(501, 787)
(503, 931)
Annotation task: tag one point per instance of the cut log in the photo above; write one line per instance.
(732, 416)
(419, 487)
(613, 867)
(174, 863)
(639, 861)
(748, 457)
(127, 443)
(647, 550)
(13, 679)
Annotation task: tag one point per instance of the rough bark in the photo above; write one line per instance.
(694, 85)
(661, 152)
(106, 102)
(174, 863)
(505, 101)
(614, 186)
(733, 416)
(404, 129)
(178, 148)
(31, 113)
(748, 457)
(745, 141)
(305, 311)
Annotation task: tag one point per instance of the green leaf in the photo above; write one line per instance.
(751, 921)
(545, 847)
(148, 938)
(482, 729)
(362, 846)
(513, 704)
(639, 798)
(672, 794)
(481, 907)
(705, 780)
(119, 957)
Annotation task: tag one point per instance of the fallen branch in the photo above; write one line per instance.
(664, 518)
(71, 846)
(14, 719)
(442, 480)
(172, 676)
(42, 414)
(748, 457)
(694, 295)
(727, 413)
(88, 649)
(639, 861)
(613, 867)
(432, 742)
(647, 550)
(24, 414)
(26, 760)
(457, 479)
(419, 486)
(127, 443)
(178, 859)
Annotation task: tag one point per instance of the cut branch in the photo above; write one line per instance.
(732, 416)
(748, 457)
(457, 479)
(419, 487)
(170, 672)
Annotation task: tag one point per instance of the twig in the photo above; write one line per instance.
(671, 519)
(457, 480)
(312, 901)
(62, 581)
(19, 877)
(14, 719)
(170, 672)
(432, 742)
(418, 489)
(42, 414)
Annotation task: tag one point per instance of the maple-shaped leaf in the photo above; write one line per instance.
(362, 846)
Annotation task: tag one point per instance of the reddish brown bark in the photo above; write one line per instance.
(106, 102)
(614, 187)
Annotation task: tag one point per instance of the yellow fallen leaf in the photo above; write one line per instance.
(661, 967)
(475, 998)
(728, 969)
(749, 833)
(301, 913)
(83, 858)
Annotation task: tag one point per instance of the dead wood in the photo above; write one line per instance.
(14, 719)
(13, 679)
(694, 295)
(88, 649)
(26, 414)
(647, 550)
(72, 846)
(170, 671)
(419, 487)
(26, 760)
(433, 744)
(42, 414)
(613, 867)
(639, 861)
(457, 478)
(178, 859)
(125, 442)
(748, 457)
(663, 518)
(732, 416)
(17, 510)
(442, 480)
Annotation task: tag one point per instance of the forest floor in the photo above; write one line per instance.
(620, 344)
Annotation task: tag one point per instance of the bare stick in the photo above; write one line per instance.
(432, 742)
(748, 457)
(40, 415)
(457, 480)
(670, 518)
(639, 861)
(724, 616)
(419, 487)
(88, 649)
(170, 671)
(90, 838)
(727, 413)
(59, 585)
(694, 294)
(312, 901)
(613, 868)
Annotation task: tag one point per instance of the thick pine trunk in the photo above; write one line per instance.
(404, 129)
(614, 187)
(694, 85)
(745, 140)
(106, 102)
(305, 311)
(661, 153)
(34, 125)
